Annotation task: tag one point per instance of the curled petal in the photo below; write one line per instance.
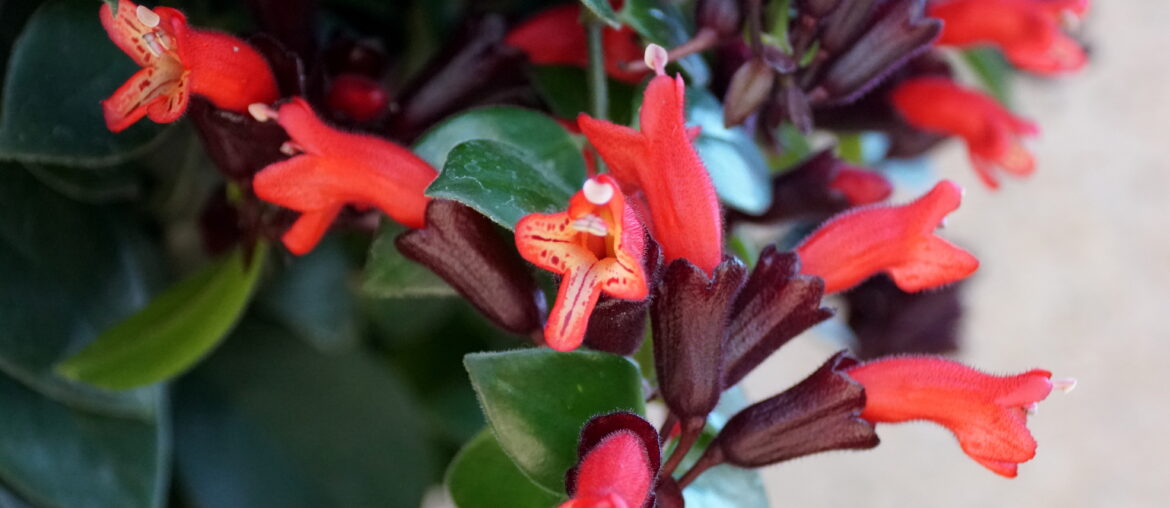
(159, 91)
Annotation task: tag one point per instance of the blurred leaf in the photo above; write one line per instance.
(662, 22)
(561, 88)
(96, 186)
(545, 144)
(62, 66)
(500, 182)
(993, 71)
(313, 297)
(54, 456)
(794, 146)
(69, 271)
(482, 475)
(388, 274)
(727, 487)
(172, 333)
(604, 11)
(737, 167)
(269, 421)
(537, 400)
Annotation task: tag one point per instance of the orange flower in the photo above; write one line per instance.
(988, 414)
(991, 132)
(898, 240)
(1027, 31)
(596, 245)
(555, 37)
(332, 168)
(177, 61)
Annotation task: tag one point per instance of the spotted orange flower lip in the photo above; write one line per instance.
(898, 240)
(1027, 31)
(178, 60)
(596, 245)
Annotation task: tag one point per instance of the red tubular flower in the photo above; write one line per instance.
(661, 163)
(596, 245)
(336, 168)
(358, 97)
(991, 132)
(861, 186)
(988, 414)
(1027, 31)
(898, 240)
(615, 474)
(177, 61)
(556, 37)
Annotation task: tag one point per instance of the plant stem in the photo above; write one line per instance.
(598, 86)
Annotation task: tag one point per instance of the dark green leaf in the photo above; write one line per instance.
(389, 274)
(62, 66)
(545, 144)
(727, 487)
(500, 182)
(737, 167)
(172, 333)
(51, 455)
(96, 186)
(561, 87)
(993, 70)
(482, 476)
(313, 298)
(604, 11)
(69, 271)
(662, 22)
(270, 421)
(537, 401)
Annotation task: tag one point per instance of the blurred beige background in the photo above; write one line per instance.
(1075, 278)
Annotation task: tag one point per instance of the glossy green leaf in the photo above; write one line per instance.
(388, 274)
(993, 71)
(51, 455)
(545, 144)
(603, 10)
(69, 270)
(172, 333)
(737, 167)
(537, 400)
(313, 297)
(561, 88)
(499, 181)
(482, 476)
(270, 421)
(62, 66)
(663, 22)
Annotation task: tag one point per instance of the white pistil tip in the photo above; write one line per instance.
(290, 148)
(261, 112)
(1065, 385)
(591, 224)
(598, 193)
(146, 16)
(656, 58)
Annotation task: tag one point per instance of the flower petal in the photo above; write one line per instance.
(549, 241)
(160, 91)
(578, 294)
(308, 229)
(129, 32)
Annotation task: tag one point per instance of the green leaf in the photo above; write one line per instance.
(500, 182)
(662, 22)
(537, 401)
(993, 71)
(270, 421)
(62, 66)
(313, 297)
(172, 333)
(604, 11)
(69, 270)
(727, 487)
(737, 167)
(482, 476)
(561, 88)
(388, 274)
(51, 455)
(545, 144)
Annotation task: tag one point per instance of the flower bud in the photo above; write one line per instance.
(723, 16)
(888, 321)
(750, 86)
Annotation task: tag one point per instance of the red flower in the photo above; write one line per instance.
(556, 37)
(898, 240)
(358, 97)
(597, 245)
(177, 61)
(991, 132)
(988, 414)
(616, 473)
(336, 168)
(662, 165)
(1027, 31)
(861, 186)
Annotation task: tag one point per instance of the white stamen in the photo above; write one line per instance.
(146, 16)
(261, 112)
(154, 43)
(656, 58)
(598, 193)
(591, 224)
(1065, 385)
(290, 148)
(1032, 408)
